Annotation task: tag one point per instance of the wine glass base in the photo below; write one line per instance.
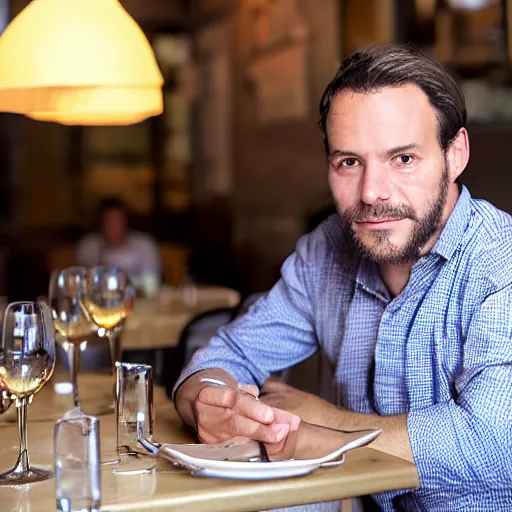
(135, 463)
(109, 459)
(20, 478)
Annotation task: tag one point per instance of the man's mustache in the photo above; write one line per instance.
(377, 212)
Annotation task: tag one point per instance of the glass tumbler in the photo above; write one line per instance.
(134, 396)
(77, 464)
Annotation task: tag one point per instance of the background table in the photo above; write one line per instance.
(364, 471)
(158, 324)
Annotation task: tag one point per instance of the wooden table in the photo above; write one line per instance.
(157, 324)
(365, 471)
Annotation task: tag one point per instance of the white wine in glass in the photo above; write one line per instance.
(76, 332)
(70, 318)
(108, 317)
(26, 375)
(27, 360)
(109, 298)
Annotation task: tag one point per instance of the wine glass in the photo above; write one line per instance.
(108, 298)
(70, 318)
(27, 359)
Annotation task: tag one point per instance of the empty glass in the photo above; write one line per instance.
(27, 359)
(70, 318)
(134, 396)
(150, 285)
(77, 464)
(188, 291)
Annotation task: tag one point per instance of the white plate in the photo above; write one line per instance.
(247, 470)
(270, 471)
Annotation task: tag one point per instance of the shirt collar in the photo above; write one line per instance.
(450, 237)
(368, 277)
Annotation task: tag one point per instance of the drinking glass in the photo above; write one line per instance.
(77, 463)
(108, 299)
(188, 291)
(70, 318)
(150, 285)
(27, 359)
(134, 396)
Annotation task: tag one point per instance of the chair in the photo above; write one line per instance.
(194, 336)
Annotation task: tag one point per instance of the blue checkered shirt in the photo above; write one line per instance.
(442, 349)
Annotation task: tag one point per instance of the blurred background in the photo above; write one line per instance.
(233, 171)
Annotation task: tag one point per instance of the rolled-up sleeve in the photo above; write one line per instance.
(466, 443)
(276, 333)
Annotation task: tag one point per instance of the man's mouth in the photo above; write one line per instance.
(378, 222)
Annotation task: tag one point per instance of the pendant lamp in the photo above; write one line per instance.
(78, 62)
(471, 5)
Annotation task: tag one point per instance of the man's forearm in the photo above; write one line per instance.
(187, 393)
(394, 438)
(313, 409)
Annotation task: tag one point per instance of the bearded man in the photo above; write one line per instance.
(407, 291)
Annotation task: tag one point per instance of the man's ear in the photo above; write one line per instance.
(457, 154)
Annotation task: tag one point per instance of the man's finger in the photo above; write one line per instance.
(250, 388)
(240, 403)
(216, 424)
(217, 396)
(281, 416)
(253, 409)
(271, 434)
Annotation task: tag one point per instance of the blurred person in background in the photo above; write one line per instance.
(117, 246)
(407, 290)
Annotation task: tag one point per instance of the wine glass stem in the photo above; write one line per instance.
(22, 464)
(73, 355)
(112, 342)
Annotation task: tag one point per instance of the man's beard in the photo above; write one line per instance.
(382, 250)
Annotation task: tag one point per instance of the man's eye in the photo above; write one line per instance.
(404, 159)
(349, 162)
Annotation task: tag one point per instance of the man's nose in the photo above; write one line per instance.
(375, 186)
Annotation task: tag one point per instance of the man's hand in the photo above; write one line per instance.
(222, 413)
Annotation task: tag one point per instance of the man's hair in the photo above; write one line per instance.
(376, 67)
(111, 203)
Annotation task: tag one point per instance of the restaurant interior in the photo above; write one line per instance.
(215, 154)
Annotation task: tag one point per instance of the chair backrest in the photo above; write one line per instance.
(195, 335)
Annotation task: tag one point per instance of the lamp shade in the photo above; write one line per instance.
(78, 62)
(471, 5)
